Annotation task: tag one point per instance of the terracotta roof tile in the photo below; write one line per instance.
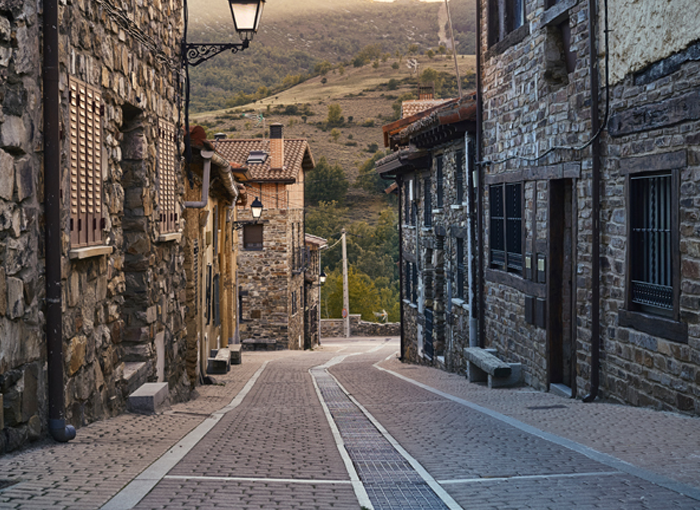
(297, 157)
(414, 106)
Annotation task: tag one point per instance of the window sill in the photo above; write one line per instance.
(516, 36)
(661, 327)
(171, 236)
(457, 301)
(89, 252)
(427, 229)
(456, 207)
(437, 211)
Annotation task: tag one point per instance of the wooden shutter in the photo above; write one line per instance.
(85, 164)
(167, 177)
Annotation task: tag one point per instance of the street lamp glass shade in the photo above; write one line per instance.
(246, 16)
(322, 277)
(256, 208)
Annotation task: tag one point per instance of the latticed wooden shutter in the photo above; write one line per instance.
(85, 164)
(167, 177)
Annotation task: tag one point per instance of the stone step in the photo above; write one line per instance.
(235, 353)
(219, 362)
(150, 398)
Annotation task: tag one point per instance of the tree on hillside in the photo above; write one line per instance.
(326, 182)
(368, 178)
(363, 294)
(326, 220)
(335, 115)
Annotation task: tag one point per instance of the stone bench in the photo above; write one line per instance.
(150, 398)
(484, 366)
(259, 344)
(219, 362)
(235, 353)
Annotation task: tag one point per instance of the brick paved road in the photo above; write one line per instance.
(445, 444)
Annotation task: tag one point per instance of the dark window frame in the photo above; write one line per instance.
(249, 236)
(459, 276)
(506, 225)
(459, 177)
(504, 17)
(427, 203)
(439, 181)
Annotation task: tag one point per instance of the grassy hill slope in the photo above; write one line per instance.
(295, 36)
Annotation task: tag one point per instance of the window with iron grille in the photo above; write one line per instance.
(651, 243)
(504, 16)
(167, 177)
(427, 204)
(506, 225)
(459, 177)
(459, 283)
(86, 221)
(439, 183)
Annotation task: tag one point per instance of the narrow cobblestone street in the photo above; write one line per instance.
(349, 426)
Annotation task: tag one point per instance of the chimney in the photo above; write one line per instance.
(426, 91)
(276, 147)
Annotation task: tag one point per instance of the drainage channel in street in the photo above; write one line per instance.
(390, 478)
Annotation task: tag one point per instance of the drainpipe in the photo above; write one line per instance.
(399, 181)
(477, 186)
(52, 216)
(473, 338)
(206, 155)
(595, 198)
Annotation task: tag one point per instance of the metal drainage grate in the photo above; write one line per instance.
(4, 484)
(544, 408)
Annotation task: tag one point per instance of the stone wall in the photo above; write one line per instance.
(335, 328)
(266, 282)
(122, 310)
(641, 365)
(525, 113)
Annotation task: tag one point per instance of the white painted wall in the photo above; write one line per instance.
(645, 31)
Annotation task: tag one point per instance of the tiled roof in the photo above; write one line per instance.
(412, 107)
(297, 157)
(315, 240)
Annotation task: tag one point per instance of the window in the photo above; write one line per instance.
(506, 227)
(86, 221)
(459, 176)
(505, 16)
(253, 237)
(294, 302)
(167, 177)
(407, 281)
(216, 312)
(414, 283)
(439, 184)
(207, 309)
(651, 243)
(459, 280)
(427, 204)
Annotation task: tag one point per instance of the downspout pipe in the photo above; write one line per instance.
(477, 185)
(52, 218)
(206, 155)
(595, 199)
(402, 285)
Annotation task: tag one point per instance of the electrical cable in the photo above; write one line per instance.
(603, 125)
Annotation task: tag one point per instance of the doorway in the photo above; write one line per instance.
(560, 288)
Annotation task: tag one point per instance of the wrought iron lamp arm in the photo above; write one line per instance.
(194, 54)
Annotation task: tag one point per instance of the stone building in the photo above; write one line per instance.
(312, 293)
(431, 163)
(586, 260)
(272, 261)
(590, 268)
(211, 256)
(91, 249)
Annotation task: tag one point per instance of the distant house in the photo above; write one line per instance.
(211, 253)
(273, 257)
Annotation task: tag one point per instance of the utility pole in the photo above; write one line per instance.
(346, 297)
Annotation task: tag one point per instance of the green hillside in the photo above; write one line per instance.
(295, 37)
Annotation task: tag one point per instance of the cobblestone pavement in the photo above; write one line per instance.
(268, 437)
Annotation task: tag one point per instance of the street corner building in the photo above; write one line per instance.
(584, 261)
(92, 275)
(273, 257)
